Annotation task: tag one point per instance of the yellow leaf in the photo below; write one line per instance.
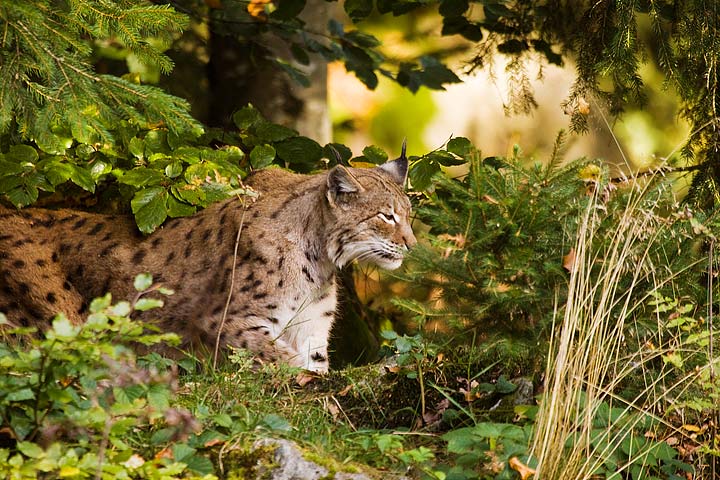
(69, 471)
(256, 8)
(691, 428)
(589, 173)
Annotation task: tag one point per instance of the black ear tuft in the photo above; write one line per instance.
(398, 168)
(340, 181)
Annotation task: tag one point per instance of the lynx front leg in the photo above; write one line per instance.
(311, 331)
(260, 341)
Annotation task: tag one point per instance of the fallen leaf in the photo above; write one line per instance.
(333, 409)
(345, 390)
(305, 377)
(490, 199)
(524, 471)
(164, 453)
(213, 442)
(135, 461)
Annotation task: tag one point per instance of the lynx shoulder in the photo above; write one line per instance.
(280, 281)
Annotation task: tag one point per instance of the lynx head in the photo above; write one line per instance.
(372, 214)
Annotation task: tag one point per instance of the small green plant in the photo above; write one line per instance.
(72, 398)
(414, 357)
(485, 450)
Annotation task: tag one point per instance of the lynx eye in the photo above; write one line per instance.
(387, 218)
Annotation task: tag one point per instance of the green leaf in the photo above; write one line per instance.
(174, 169)
(299, 54)
(375, 154)
(142, 282)
(182, 451)
(20, 395)
(122, 309)
(403, 344)
(137, 147)
(276, 423)
(156, 142)
(422, 172)
(435, 74)
(22, 154)
(10, 168)
(159, 397)
(150, 208)
(148, 304)
(30, 449)
(505, 387)
(358, 10)
(344, 152)
(460, 146)
(270, 132)
(453, 8)
(444, 158)
(82, 178)
(199, 464)
(55, 171)
(262, 156)
(223, 420)
(99, 168)
(101, 303)
(142, 177)
(299, 150)
(246, 117)
(21, 196)
(63, 328)
(362, 39)
(51, 143)
(295, 73)
(389, 334)
(177, 208)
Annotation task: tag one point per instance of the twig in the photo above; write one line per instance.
(343, 412)
(659, 170)
(232, 283)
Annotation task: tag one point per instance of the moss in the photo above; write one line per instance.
(243, 462)
(330, 464)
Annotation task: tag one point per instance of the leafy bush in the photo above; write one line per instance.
(72, 399)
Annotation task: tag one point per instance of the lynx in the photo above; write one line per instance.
(280, 278)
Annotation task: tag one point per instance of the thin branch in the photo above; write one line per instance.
(232, 282)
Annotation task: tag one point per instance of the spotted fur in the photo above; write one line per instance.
(294, 236)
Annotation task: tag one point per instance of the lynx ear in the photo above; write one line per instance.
(340, 181)
(398, 168)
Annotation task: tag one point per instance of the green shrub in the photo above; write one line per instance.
(72, 398)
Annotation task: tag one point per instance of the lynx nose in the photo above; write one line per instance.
(409, 239)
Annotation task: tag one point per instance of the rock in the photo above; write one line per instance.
(290, 464)
(524, 393)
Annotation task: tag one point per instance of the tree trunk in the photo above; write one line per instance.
(239, 73)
